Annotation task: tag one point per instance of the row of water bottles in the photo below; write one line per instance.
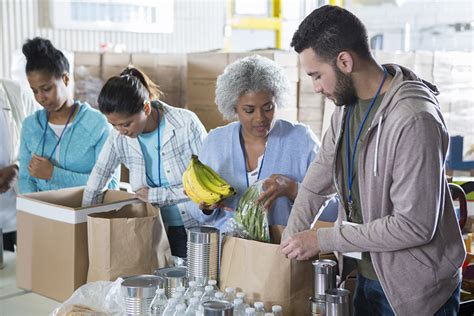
(188, 302)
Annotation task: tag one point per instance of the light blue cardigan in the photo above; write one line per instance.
(290, 150)
(78, 152)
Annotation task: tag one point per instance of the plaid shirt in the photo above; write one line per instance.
(182, 137)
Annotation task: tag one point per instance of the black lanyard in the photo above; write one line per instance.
(242, 146)
(350, 160)
(159, 156)
(62, 133)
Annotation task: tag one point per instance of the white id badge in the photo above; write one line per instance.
(355, 254)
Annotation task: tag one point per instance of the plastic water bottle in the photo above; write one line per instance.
(208, 294)
(158, 304)
(179, 297)
(219, 296)
(250, 311)
(170, 307)
(180, 310)
(213, 283)
(198, 294)
(190, 291)
(182, 291)
(269, 314)
(193, 306)
(277, 310)
(242, 295)
(259, 309)
(239, 308)
(229, 294)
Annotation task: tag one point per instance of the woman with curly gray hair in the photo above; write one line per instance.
(257, 146)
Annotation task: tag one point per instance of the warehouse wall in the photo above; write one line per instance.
(428, 21)
(198, 27)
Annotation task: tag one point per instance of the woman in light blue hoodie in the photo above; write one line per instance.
(59, 144)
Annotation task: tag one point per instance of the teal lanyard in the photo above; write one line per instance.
(62, 133)
(350, 160)
(149, 179)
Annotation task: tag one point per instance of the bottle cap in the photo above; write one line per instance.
(276, 308)
(258, 304)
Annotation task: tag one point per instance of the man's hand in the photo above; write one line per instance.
(142, 194)
(301, 246)
(8, 176)
(40, 168)
(275, 186)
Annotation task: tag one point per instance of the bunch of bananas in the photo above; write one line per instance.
(202, 184)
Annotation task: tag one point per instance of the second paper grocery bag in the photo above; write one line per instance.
(126, 242)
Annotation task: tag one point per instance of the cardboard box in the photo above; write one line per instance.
(310, 100)
(175, 99)
(52, 258)
(306, 82)
(282, 58)
(311, 114)
(166, 70)
(200, 91)
(287, 60)
(206, 65)
(87, 59)
(116, 59)
(209, 116)
(111, 71)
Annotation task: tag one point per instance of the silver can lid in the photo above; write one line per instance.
(216, 306)
(142, 281)
(338, 296)
(203, 234)
(172, 272)
(324, 265)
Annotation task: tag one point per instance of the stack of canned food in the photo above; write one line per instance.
(328, 300)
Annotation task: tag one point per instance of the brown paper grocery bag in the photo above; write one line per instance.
(265, 274)
(126, 242)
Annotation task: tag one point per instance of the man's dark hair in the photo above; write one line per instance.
(330, 30)
(41, 55)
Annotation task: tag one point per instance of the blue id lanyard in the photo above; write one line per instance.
(350, 158)
(159, 156)
(62, 133)
(242, 146)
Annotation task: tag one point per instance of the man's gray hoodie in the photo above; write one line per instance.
(410, 227)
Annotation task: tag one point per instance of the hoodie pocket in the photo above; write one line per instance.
(406, 275)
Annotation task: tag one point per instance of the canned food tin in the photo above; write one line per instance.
(173, 277)
(217, 308)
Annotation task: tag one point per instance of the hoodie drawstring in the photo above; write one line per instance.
(377, 142)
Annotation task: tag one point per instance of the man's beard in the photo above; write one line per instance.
(344, 93)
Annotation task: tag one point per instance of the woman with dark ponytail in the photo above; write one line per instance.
(60, 143)
(155, 142)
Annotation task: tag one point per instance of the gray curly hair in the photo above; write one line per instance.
(250, 74)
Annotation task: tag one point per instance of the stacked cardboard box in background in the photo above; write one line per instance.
(310, 105)
(204, 68)
(453, 75)
(113, 64)
(166, 70)
(87, 77)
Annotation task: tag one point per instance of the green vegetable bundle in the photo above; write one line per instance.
(251, 218)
